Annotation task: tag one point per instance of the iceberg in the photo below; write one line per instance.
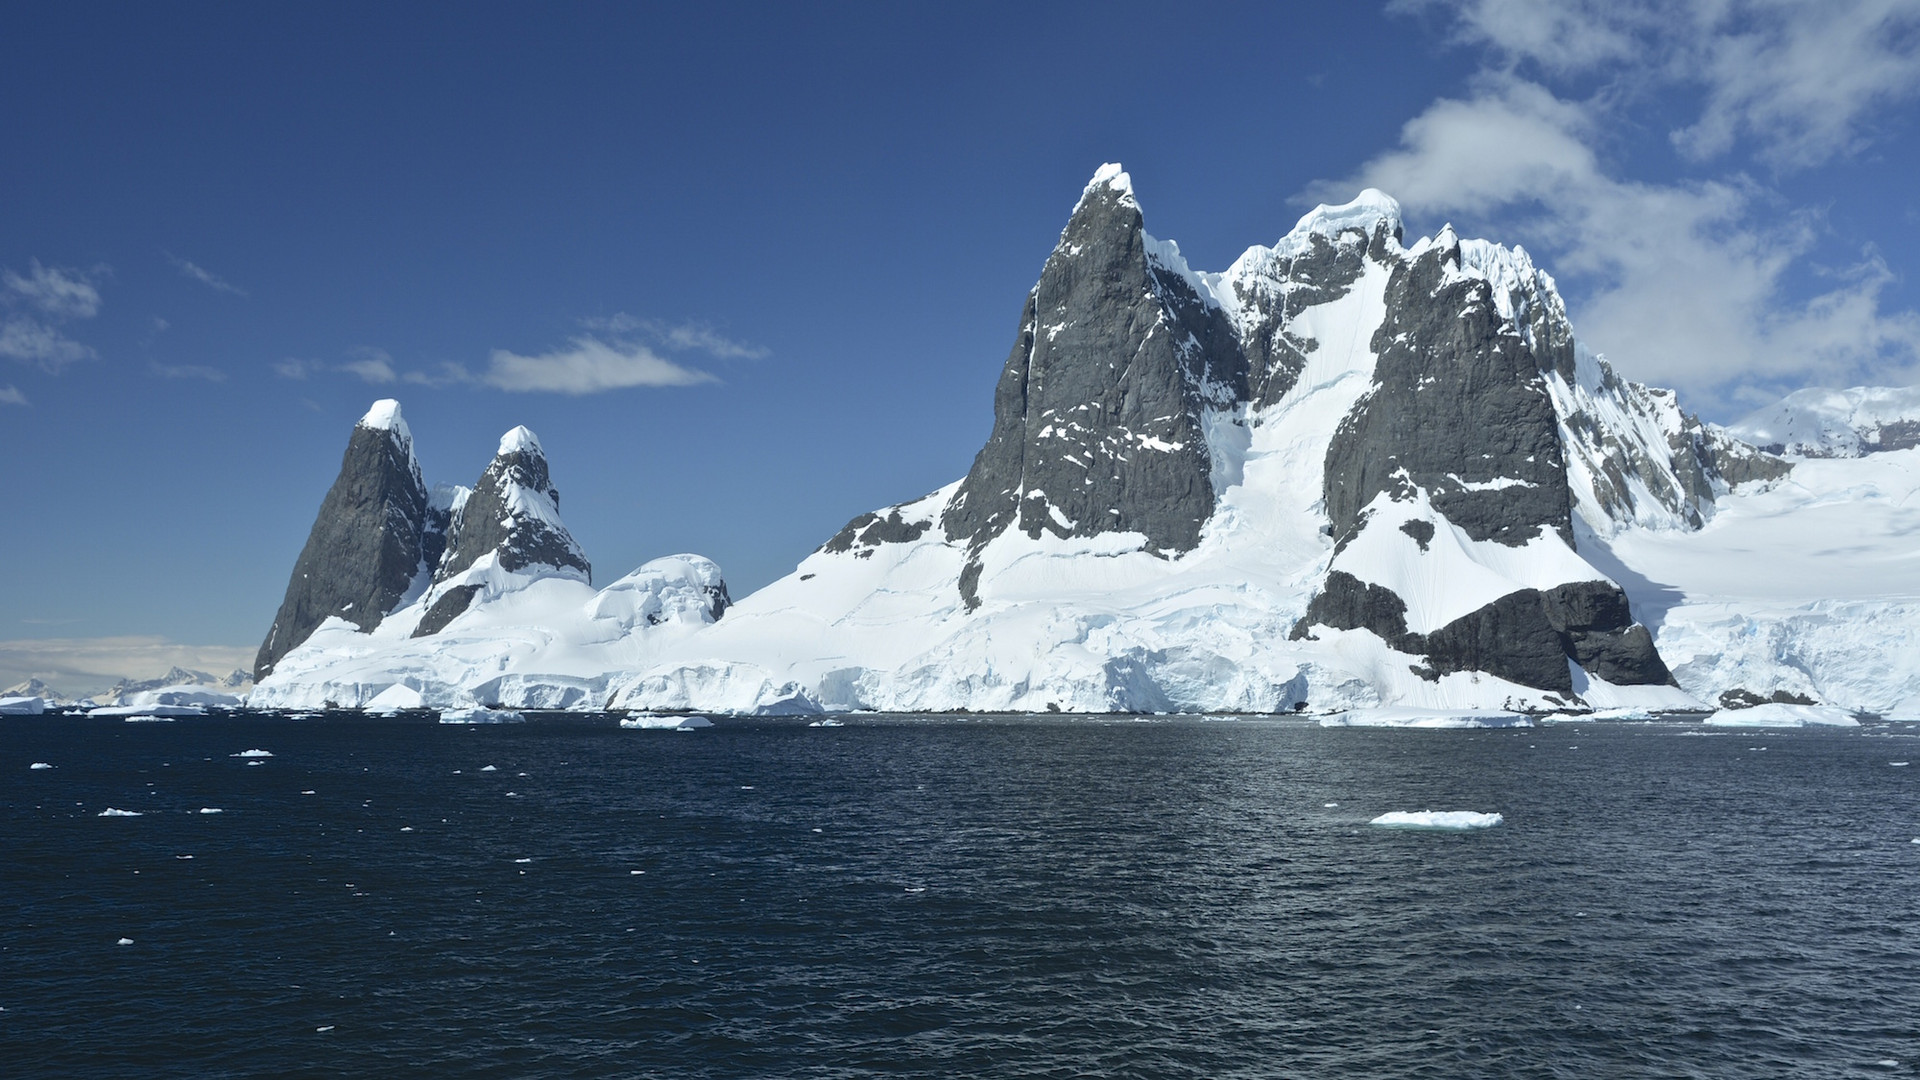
(482, 716)
(657, 722)
(148, 710)
(113, 812)
(1428, 718)
(1437, 819)
(1776, 715)
(22, 706)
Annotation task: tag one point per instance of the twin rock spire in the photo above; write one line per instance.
(384, 541)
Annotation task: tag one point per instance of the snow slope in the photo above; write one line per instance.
(1836, 423)
(1810, 584)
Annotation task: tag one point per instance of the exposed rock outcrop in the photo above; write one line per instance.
(368, 545)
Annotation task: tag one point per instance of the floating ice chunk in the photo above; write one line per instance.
(1330, 805)
(124, 941)
(1895, 764)
(482, 716)
(323, 1029)
(253, 753)
(144, 719)
(250, 763)
(1428, 718)
(523, 860)
(1779, 715)
(111, 812)
(22, 706)
(658, 722)
(489, 768)
(1437, 819)
(212, 810)
(828, 722)
(44, 765)
(147, 712)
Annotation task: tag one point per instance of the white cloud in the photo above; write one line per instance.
(446, 374)
(296, 369)
(205, 277)
(373, 366)
(63, 294)
(1684, 281)
(32, 341)
(82, 665)
(1698, 283)
(589, 366)
(10, 395)
(189, 371)
(678, 336)
(1797, 80)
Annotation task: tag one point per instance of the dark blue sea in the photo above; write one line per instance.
(940, 897)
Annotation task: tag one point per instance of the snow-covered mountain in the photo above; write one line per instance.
(1820, 423)
(443, 592)
(1344, 471)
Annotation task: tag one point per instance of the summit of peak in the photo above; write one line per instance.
(519, 440)
(385, 416)
(1365, 213)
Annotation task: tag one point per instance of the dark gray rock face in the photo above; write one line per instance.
(1325, 271)
(1459, 408)
(513, 514)
(1525, 637)
(1098, 412)
(869, 531)
(365, 550)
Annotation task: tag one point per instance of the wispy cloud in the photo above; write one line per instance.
(188, 371)
(1683, 281)
(10, 395)
(296, 369)
(63, 294)
(588, 366)
(204, 276)
(31, 341)
(372, 366)
(49, 297)
(677, 336)
(1799, 82)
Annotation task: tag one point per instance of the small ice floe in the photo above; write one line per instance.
(148, 712)
(828, 722)
(256, 763)
(145, 719)
(637, 873)
(1329, 805)
(482, 716)
(658, 722)
(1400, 717)
(309, 792)
(124, 941)
(112, 812)
(44, 765)
(253, 753)
(212, 810)
(406, 828)
(1437, 819)
(1895, 764)
(323, 1029)
(522, 861)
(1780, 715)
(183, 857)
(489, 768)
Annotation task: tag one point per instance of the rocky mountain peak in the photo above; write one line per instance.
(509, 522)
(1098, 412)
(365, 550)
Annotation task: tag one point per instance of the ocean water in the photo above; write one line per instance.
(1002, 897)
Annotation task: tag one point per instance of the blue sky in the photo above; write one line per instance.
(750, 270)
